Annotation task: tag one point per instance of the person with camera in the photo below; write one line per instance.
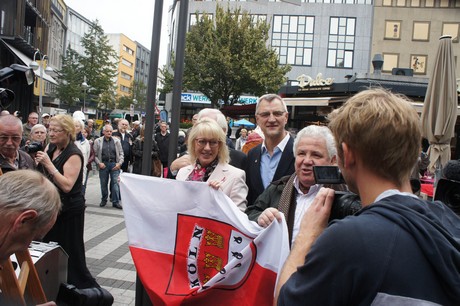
(293, 194)
(37, 140)
(398, 249)
(11, 158)
(62, 163)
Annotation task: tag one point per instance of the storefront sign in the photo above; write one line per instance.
(200, 98)
(308, 81)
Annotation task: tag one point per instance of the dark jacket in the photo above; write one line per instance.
(253, 178)
(163, 145)
(138, 151)
(400, 247)
(25, 162)
(272, 195)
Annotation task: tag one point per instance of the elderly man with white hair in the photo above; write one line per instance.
(313, 146)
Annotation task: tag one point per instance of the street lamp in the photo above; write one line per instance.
(85, 86)
(34, 65)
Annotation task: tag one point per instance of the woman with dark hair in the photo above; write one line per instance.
(62, 163)
(138, 151)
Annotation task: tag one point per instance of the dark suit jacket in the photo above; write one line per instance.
(253, 178)
(238, 159)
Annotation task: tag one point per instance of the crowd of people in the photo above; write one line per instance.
(397, 249)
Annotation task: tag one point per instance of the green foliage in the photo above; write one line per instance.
(228, 56)
(139, 92)
(69, 89)
(98, 65)
(100, 61)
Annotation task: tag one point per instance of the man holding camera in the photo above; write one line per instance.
(293, 194)
(11, 158)
(398, 249)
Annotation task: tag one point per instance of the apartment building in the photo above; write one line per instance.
(125, 49)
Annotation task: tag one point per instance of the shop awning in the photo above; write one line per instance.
(302, 101)
(26, 61)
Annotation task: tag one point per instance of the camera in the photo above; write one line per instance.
(448, 192)
(34, 147)
(345, 203)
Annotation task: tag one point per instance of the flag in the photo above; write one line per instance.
(191, 245)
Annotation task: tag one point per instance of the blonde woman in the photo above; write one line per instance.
(62, 162)
(209, 156)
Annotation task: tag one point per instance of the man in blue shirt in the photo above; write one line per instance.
(274, 158)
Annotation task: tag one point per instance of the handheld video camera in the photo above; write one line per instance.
(345, 203)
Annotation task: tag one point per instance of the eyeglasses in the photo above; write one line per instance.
(4, 138)
(55, 131)
(203, 142)
(276, 114)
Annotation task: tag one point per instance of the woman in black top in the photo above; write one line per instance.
(63, 165)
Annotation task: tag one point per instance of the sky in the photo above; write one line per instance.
(134, 18)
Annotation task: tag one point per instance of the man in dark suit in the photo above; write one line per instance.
(274, 158)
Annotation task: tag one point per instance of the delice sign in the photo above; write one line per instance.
(200, 98)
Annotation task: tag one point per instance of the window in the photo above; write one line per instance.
(127, 63)
(390, 61)
(429, 3)
(292, 38)
(418, 63)
(400, 2)
(125, 76)
(415, 3)
(124, 88)
(393, 29)
(386, 3)
(194, 18)
(421, 31)
(341, 43)
(444, 3)
(451, 29)
(128, 50)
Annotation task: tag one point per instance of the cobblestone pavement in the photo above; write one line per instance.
(107, 254)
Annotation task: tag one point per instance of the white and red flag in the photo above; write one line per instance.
(191, 245)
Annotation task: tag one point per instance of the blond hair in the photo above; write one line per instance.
(208, 128)
(383, 129)
(66, 123)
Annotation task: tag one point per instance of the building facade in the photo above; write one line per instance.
(126, 53)
(77, 26)
(56, 43)
(24, 28)
(407, 33)
(313, 37)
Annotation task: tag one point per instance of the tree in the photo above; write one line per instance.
(137, 95)
(228, 56)
(99, 64)
(69, 89)
(139, 92)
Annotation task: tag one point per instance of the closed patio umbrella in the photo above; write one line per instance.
(440, 106)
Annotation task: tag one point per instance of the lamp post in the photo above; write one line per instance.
(85, 86)
(34, 65)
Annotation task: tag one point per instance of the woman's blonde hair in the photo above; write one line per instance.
(66, 123)
(208, 129)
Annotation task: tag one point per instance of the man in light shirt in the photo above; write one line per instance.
(313, 146)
